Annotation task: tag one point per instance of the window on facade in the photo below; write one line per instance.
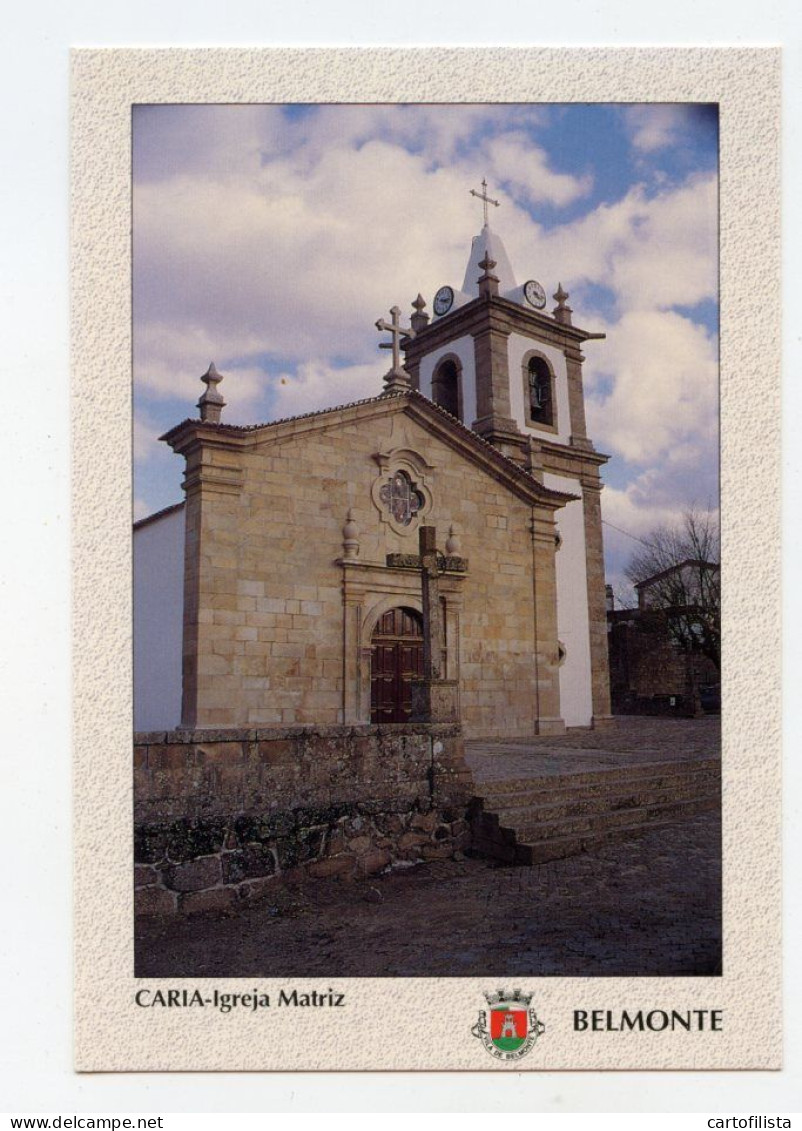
(445, 387)
(402, 499)
(540, 399)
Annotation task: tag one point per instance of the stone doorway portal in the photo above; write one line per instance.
(396, 659)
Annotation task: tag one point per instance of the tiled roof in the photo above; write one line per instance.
(158, 514)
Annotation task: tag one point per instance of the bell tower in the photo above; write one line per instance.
(493, 358)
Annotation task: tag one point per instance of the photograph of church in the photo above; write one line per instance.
(382, 571)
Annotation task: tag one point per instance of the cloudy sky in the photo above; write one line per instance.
(269, 239)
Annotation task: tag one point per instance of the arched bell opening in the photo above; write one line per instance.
(539, 392)
(447, 386)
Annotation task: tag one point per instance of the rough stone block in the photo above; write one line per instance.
(278, 752)
(150, 737)
(258, 889)
(190, 838)
(373, 862)
(437, 851)
(213, 899)
(150, 843)
(424, 822)
(195, 875)
(331, 866)
(392, 823)
(145, 875)
(412, 840)
(218, 752)
(255, 860)
(359, 844)
(167, 758)
(154, 901)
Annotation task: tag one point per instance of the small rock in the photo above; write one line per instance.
(331, 866)
(373, 895)
(374, 861)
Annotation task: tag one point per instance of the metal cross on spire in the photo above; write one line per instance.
(485, 198)
(397, 376)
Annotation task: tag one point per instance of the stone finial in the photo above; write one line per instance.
(453, 544)
(562, 312)
(211, 404)
(350, 537)
(419, 320)
(488, 282)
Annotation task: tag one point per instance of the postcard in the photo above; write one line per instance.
(426, 441)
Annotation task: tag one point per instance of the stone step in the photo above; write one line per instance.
(668, 811)
(532, 820)
(564, 790)
(488, 827)
(557, 848)
(500, 788)
(545, 808)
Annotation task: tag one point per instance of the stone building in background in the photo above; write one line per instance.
(661, 659)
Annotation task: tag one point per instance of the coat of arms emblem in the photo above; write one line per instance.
(513, 1027)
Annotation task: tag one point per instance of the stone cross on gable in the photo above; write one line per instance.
(396, 377)
(485, 199)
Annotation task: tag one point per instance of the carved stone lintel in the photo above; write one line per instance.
(446, 563)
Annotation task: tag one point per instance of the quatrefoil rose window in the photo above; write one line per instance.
(401, 498)
(402, 492)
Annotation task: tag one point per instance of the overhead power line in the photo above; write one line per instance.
(634, 537)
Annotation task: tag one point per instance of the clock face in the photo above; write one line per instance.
(443, 300)
(534, 294)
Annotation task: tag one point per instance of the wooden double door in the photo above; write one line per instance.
(396, 659)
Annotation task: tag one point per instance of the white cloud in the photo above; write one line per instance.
(169, 361)
(297, 256)
(654, 127)
(524, 168)
(664, 399)
(653, 252)
(146, 432)
(317, 384)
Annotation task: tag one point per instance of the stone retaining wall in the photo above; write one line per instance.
(224, 815)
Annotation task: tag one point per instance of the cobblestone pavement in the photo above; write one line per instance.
(632, 740)
(650, 906)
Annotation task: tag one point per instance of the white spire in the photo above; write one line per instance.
(488, 241)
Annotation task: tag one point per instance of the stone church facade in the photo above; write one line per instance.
(361, 588)
(301, 536)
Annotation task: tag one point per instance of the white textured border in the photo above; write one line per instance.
(111, 1034)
